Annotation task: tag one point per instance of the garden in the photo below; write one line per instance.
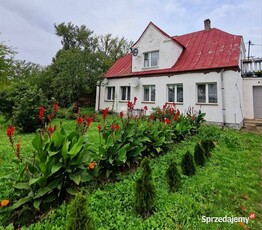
(164, 170)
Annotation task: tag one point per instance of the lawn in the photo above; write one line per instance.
(227, 185)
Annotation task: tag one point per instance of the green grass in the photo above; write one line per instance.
(228, 185)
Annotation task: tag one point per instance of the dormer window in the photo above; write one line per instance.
(151, 59)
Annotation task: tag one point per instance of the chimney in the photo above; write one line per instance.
(207, 24)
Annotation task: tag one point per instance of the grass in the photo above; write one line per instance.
(228, 185)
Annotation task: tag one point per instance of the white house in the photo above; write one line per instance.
(203, 69)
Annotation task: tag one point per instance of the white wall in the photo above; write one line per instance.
(249, 83)
(233, 94)
(153, 40)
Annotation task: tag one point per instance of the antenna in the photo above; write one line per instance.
(134, 52)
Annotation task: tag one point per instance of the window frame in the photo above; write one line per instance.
(149, 93)
(127, 93)
(148, 59)
(207, 94)
(112, 93)
(175, 88)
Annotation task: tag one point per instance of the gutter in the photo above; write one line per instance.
(223, 97)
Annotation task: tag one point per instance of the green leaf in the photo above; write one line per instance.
(37, 143)
(55, 168)
(64, 150)
(76, 147)
(52, 153)
(34, 180)
(37, 203)
(72, 191)
(76, 177)
(42, 191)
(58, 139)
(21, 202)
(108, 172)
(24, 185)
(86, 177)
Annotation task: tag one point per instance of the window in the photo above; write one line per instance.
(149, 93)
(110, 95)
(175, 93)
(151, 59)
(207, 93)
(125, 93)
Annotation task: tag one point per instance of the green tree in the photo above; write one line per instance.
(188, 165)
(199, 155)
(145, 193)
(173, 177)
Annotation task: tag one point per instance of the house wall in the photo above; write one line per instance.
(232, 84)
(153, 40)
(249, 83)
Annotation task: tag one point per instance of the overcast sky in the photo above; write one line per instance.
(28, 25)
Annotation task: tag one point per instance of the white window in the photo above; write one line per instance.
(175, 93)
(125, 93)
(151, 59)
(110, 93)
(207, 93)
(149, 93)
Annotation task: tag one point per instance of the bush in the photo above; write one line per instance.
(145, 193)
(199, 155)
(173, 177)
(207, 145)
(77, 215)
(188, 165)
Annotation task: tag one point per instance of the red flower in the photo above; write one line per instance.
(145, 108)
(51, 129)
(99, 128)
(56, 107)
(79, 120)
(105, 112)
(117, 127)
(112, 127)
(10, 131)
(151, 117)
(41, 113)
(135, 99)
(121, 114)
(89, 120)
(130, 105)
(176, 115)
(166, 121)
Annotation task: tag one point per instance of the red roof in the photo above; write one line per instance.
(204, 50)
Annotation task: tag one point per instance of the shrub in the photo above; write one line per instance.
(173, 177)
(77, 215)
(199, 155)
(145, 193)
(207, 145)
(188, 165)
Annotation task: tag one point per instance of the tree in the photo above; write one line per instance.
(145, 193)
(199, 155)
(188, 165)
(173, 177)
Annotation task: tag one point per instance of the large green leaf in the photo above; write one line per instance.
(86, 177)
(64, 150)
(56, 167)
(58, 139)
(76, 177)
(23, 185)
(76, 147)
(72, 190)
(34, 180)
(42, 191)
(37, 203)
(21, 202)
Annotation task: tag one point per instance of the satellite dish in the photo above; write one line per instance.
(105, 81)
(135, 82)
(134, 52)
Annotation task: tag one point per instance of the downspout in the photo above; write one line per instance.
(99, 94)
(223, 97)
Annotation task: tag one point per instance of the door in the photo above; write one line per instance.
(257, 93)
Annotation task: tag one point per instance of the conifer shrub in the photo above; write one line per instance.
(207, 145)
(188, 165)
(173, 177)
(145, 193)
(199, 155)
(77, 215)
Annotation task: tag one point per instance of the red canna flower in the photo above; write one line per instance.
(135, 99)
(10, 131)
(105, 112)
(117, 127)
(112, 127)
(121, 114)
(166, 121)
(145, 108)
(51, 129)
(41, 113)
(99, 128)
(177, 114)
(151, 117)
(79, 120)
(89, 120)
(56, 107)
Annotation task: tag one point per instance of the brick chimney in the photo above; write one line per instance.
(207, 24)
